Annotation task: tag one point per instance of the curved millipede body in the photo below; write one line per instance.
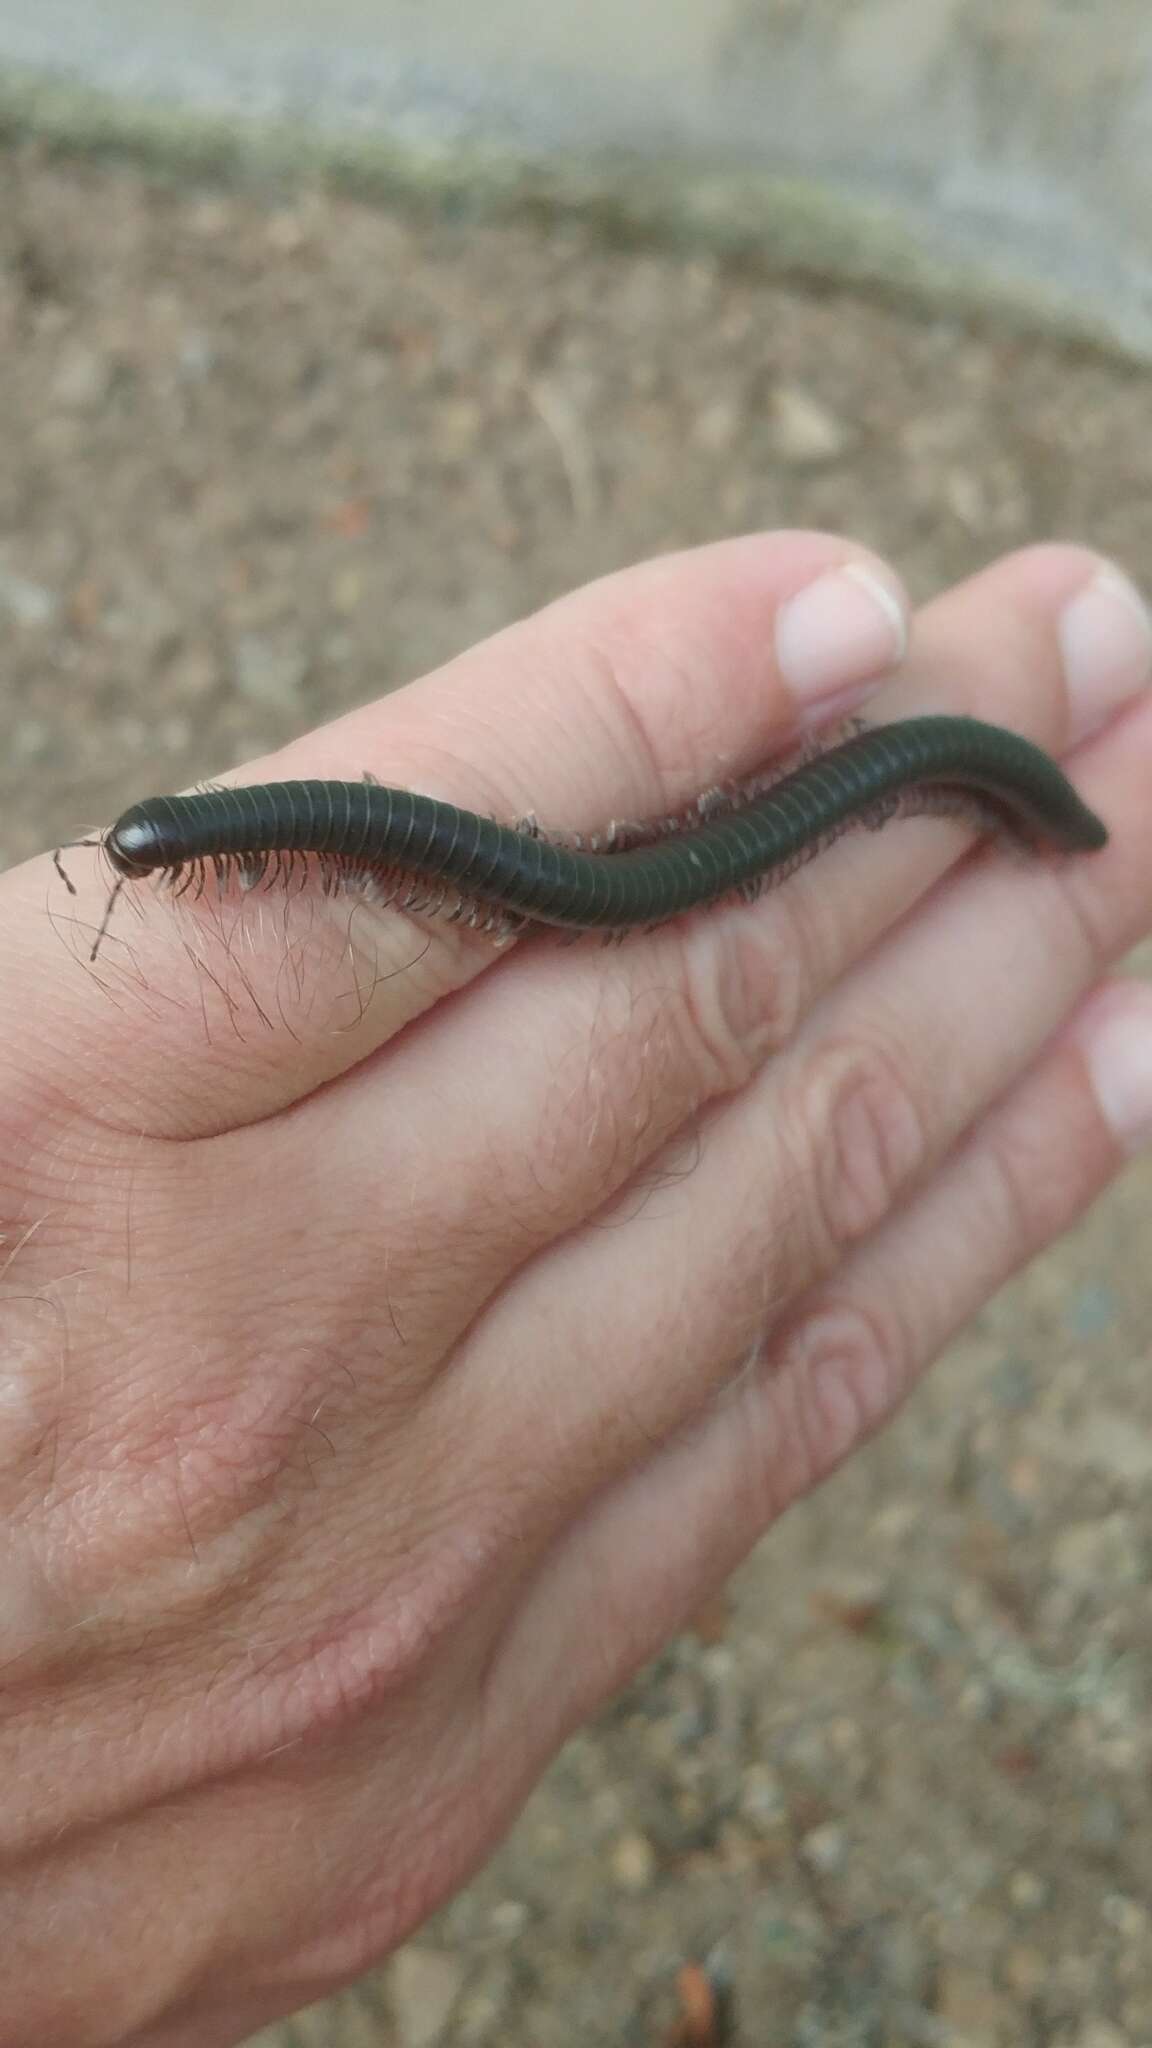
(413, 845)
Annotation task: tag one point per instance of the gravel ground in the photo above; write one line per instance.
(267, 455)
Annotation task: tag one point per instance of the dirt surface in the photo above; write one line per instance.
(265, 457)
(962, 147)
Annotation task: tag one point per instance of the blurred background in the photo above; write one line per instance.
(329, 344)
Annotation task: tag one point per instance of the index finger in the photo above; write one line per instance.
(626, 698)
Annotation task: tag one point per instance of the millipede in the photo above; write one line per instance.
(426, 855)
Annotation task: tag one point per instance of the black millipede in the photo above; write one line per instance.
(428, 855)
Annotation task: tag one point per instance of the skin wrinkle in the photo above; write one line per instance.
(349, 1676)
(631, 648)
(668, 1169)
(602, 684)
(847, 1367)
(743, 991)
(872, 1146)
(302, 1702)
(192, 1433)
(785, 951)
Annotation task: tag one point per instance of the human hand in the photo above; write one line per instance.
(402, 1335)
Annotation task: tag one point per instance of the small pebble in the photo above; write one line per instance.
(634, 1862)
(1027, 1891)
(423, 1986)
(763, 1802)
(509, 1918)
(826, 1848)
(28, 604)
(1130, 1919)
(805, 432)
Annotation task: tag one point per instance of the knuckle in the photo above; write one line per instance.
(746, 984)
(178, 1498)
(848, 1362)
(859, 1137)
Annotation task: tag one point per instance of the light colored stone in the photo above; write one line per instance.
(423, 1986)
(1131, 1920)
(509, 1919)
(634, 1862)
(763, 1800)
(1113, 1443)
(29, 604)
(805, 432)
(826, 1848)
(1027, 1891)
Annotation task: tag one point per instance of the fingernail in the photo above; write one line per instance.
(840, 634)
(1106, 641)
(1116, 1039)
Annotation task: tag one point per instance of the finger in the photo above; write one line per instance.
(1050, 642)
(888, 1073)
(625, 699)
(1049, 610)
(612, 1052)
(651, 1549)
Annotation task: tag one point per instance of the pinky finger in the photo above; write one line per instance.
(665, 1537)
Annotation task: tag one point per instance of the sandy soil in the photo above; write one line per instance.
(266, 456)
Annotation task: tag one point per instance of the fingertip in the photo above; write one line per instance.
(1113, 1030)
(1106, 643)
(840, 635)
(628, 696)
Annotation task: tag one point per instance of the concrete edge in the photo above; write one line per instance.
(776, 226)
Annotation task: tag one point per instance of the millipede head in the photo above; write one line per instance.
(136, 846)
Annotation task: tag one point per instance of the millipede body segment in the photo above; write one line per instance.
(415, 846)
